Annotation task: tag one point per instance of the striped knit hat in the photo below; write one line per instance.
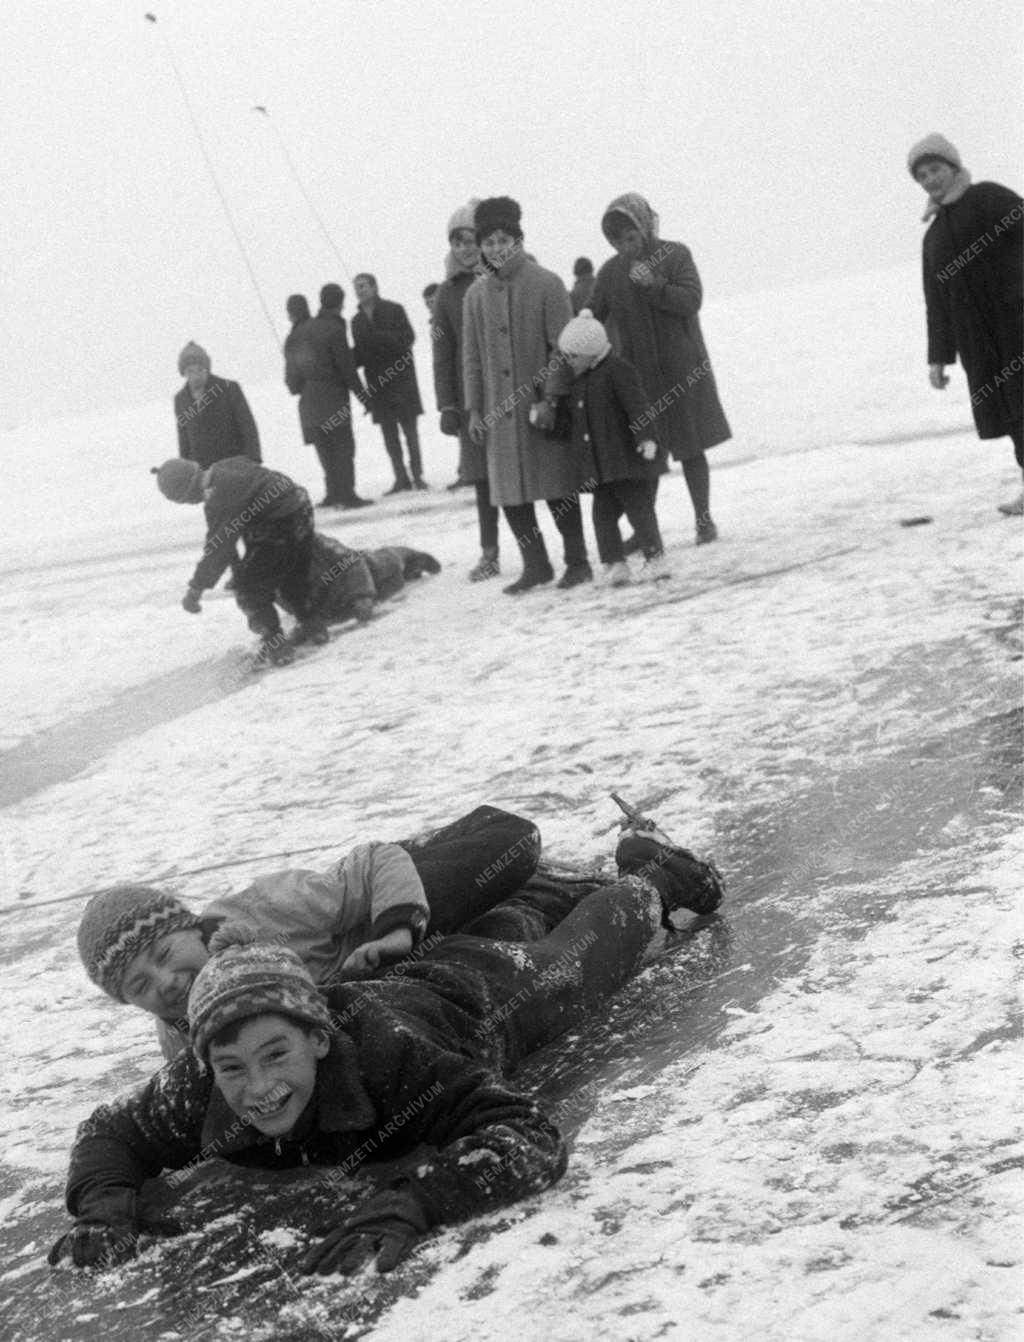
(120, 922)
(251, 978)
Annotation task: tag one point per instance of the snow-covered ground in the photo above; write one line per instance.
(803, 1125)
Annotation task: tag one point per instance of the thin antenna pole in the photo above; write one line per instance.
(151, 18)
(259, 107)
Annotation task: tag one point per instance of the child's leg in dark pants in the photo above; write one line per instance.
(606, 513)
(474, 863)
(634, 497)
(543, 988)
(269, 557)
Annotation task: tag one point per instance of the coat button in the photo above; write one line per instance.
(580, 404)
(586, 437)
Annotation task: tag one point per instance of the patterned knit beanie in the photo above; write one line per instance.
(934, 146)
(180, 480)
(192, 353)
(251, 978)
(584, 335)
(120, 922)
(498, 212)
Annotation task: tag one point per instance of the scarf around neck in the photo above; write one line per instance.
(961, 182)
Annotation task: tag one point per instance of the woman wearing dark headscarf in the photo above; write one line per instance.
(973, 290)
(649, 295)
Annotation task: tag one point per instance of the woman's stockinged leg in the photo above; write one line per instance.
(698, 482)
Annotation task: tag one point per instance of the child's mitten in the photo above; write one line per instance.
(648, 449)
(191, 601)
(107, 1229)
(386, 1225)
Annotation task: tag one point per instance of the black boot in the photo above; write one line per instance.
(682, 880)
(575, 574)
(534, 575)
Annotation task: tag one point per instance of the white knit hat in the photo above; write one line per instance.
(934, 146)
(584, 335)
(464, 217)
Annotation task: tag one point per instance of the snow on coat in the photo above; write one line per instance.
(383, 349)
(216, 424)
(973, 294)
(323, 916)
(658, 330)
(511, 323)
(412, 1063)
(610, 416)
(241, 497)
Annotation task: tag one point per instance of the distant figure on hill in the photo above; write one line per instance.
(213, 416)
(973, 290)
(649, 295)
(582, 285)
(298, 311)
(382, 337)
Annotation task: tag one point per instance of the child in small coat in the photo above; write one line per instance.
(610, 419)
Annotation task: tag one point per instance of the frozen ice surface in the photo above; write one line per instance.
(803, 1125)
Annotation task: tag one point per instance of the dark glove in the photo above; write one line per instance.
(388, 1225)
(107, 1231)
(451, 421)
(191, 601)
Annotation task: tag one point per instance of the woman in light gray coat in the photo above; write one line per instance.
(512, 371)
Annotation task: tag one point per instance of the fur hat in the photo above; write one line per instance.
(464, 217)
(584, 335)
(583, 266)
(498, 212)
(192, 353)
(934, 146)
(180, 480)
(248, 978)
(120, 922)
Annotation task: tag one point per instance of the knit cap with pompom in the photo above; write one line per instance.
(247, 978)
(180, 480)
(584, 335)
(119, 923)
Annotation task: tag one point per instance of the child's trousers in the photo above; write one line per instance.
(277, 559)
(635, 499)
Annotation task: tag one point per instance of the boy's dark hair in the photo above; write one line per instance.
(332, 296)
(583, 266)
(365, 275)
(229, 1034)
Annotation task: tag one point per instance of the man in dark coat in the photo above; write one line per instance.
(382, 338)
(650, 295)
(214, 419)
(973, 290)
(375, 1070)
(463, 267)
(324, 362)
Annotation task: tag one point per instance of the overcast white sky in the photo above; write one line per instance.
(771, 135)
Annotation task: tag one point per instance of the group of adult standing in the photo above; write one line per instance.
(501, 381)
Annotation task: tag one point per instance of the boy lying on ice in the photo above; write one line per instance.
(285, 561)
(144, 947)
(281, 1075)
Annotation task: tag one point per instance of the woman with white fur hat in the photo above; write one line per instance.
(973, 290)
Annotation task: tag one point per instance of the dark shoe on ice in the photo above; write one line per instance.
(399, 487)
(575, 574)
(1015, 508)
(355, 502)
(681, 878)
(418, 563)
(529, 579)
(310, 631)
(706, 532)
(487, 566)
(275, 649)
(420, 484)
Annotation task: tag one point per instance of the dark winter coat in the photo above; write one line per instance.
(973, 294)
(217, 425)
(446, 330)
(383, 349)
(412, 1062)
(240, 497)
(657, 329)
(581, 292)
(511, 324)
(610, 415)
(325, 361)
(294, 379)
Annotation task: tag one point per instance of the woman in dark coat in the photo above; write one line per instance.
(462, 267)
(649, 295)
(298, 311)
(973, 290)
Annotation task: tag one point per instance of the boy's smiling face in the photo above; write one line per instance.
(267, 1074)
(499, 247)
(159, 977)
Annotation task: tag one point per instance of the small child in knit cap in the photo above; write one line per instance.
(143, 946)
(611, 419)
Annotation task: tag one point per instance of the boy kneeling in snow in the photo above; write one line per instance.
(280, 1075)
(144, 947)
